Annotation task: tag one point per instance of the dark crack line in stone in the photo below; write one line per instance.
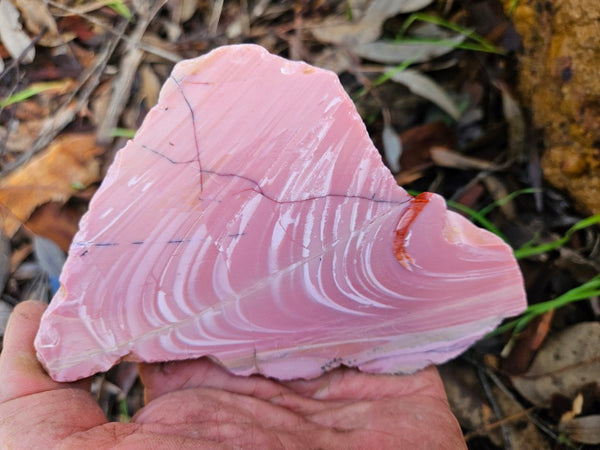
(193, 117)
(172, 161)
(259, 190)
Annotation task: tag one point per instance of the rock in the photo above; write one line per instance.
(559, 80)
(252, 220)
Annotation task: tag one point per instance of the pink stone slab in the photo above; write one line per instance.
(252, 220)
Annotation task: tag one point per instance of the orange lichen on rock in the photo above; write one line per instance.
(559, 80)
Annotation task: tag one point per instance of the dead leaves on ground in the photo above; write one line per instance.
(566, 362)
(67, 166)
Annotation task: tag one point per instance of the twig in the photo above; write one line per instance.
(495, 407)
(215, 16)
(510, 395)
(145, 46)
(18, 60)
(491, 426)
(127, 71)
(65, 114)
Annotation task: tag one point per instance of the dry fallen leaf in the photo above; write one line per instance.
(37, 18)
(150, 86)
(522, 350)
(427, 88)
(182, 10)
(576, 408)
(520, 432)
(67, 165)
(448, 158)
(467, 400)
(516, 124)
(565, 363)
(12, 35)
(392, 147)
(387, 52)
(498, 190)
(472, 407)
(55, 221)
(583, 429)
(19, 136)
(367, 27)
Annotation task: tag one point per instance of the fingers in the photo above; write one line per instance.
(21, 373)
(162, 378)
(345, 384)
(339, 385)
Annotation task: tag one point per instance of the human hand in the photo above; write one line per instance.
(196, 404)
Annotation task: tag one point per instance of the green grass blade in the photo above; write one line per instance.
(449, 43)
(588, 289)
(124, 416)
(28, 92)
(504, 200)
(123, 132)
(120, 8)
(531, 250)
(484, 44)
(390, 73)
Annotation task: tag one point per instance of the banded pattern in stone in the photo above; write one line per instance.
(252, 220)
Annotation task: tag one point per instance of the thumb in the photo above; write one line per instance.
(21, 373)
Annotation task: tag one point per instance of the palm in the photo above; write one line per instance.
(196, 404)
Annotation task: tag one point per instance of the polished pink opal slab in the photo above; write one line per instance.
(252, 220)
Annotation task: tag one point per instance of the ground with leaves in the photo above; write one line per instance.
(435, 82)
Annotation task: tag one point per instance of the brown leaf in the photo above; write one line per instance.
(467, 399)
(527, 344)
(182, 10)
(37, 18)
(475, 413)
(583, 429)
(150, 86)
(470, 195)
(563, 365)
(448, 158)
(498, 190)
(516, 123)
(55, 221)
(426, 87)
(416, 144)
(19, 138)
(19, 255)
(335, 30)
(576, 408)
(389, 52)
(12, 35)
(520, 432)
(339, 30)
(67, 164)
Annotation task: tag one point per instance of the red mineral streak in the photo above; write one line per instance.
(252, 220)
(404, 228)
